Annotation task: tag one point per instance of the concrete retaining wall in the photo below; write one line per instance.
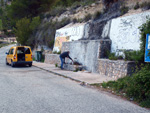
(115, 68)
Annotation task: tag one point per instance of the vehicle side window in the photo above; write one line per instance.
(11, 51)
(27, 51)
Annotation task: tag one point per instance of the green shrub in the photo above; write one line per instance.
(56, 65)
(80, 20)
(120, 57)
(55, 52)
(87, 17)
(33, 59)
(104, 84)
(145, 103)
(59, 52)
(105, 10)
(133, 55)
(139, 87)
(96, 84)
(118, 85)
(87, 2)
(56, 11)
(3, 44)
(124, 10)
(112, 56)
(76, 70)
(74, 20)
(96, 15)
(136, 86)
(137, 6)
(64, 22)
(145, 4)
(74, 3)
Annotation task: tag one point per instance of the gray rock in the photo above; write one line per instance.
(93, 4)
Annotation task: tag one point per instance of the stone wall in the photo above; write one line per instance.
(87, 52)
(115, 68)
(52, 59)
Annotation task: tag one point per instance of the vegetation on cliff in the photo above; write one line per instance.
(29, 9)
(25, 11)
(0, 24)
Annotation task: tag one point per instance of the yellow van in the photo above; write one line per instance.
(19, 55)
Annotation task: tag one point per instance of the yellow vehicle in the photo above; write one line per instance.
(19, 55)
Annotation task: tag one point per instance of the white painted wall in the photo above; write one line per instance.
(74, 32)
(125, 32)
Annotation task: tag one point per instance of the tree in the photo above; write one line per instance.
(67, 2)
(24, 28)
(1, 12)
(6, 23)
(0, 24)
(34, 27)
(2, 2)
(29, 8)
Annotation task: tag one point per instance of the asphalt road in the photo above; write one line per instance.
(31, 90)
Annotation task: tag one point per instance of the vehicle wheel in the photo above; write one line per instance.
(12, 64)
(30, 64)
(7, 62)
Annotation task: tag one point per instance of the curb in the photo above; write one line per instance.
(82, 82)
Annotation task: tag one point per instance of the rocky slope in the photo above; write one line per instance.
(97, 14)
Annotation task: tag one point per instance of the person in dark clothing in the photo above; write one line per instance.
(63, 56)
